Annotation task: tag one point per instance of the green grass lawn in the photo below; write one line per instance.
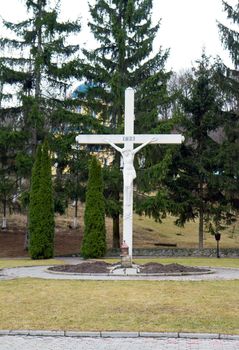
(156, 306)
(8, 263)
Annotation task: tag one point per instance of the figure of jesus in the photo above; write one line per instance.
(129, 173)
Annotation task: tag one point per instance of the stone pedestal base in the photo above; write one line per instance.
(126, 261)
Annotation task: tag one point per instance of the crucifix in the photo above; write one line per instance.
(128, 139)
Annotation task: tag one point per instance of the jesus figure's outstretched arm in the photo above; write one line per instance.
(114, 146)
(143, 145)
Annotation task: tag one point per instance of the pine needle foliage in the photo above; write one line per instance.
(41, 210)
(34, 204)
(124, 58)
(94, 241)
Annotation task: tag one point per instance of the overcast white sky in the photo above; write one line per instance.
(186, 26)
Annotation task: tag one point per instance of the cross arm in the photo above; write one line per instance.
(99, 139)
(159, 138)
(136, 138)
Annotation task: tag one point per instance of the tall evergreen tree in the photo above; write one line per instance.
(230, 39)
(40, 68)
(94, 240)
(196, 182)
(10, 166)
(125, 35)
(12, 140)
(38, 64)
(76, 179)
(230, 35)
(41, 225)
(230, 85)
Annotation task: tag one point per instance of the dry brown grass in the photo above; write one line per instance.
(210, 262)
(8, 263)
(147, 232)
(120, 305)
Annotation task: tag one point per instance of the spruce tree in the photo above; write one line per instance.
(229, 159)
(10, 166)
(76, 180)
(195, 180)
(38, 64)
(39, 70)
(230, 40)
(123, 58)
(41, 207)
(94, 240)
(12, 140)
(42, 63)
(230, 36)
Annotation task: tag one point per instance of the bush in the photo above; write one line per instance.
(41, 209)
(94, 240)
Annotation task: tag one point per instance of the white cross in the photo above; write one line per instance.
(128, 152)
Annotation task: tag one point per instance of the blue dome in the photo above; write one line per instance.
(82, 89)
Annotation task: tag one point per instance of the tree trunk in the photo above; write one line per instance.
(4, 219)
(75, 220)
(27, 235)
(201, 214)
(26, 240)
(116, 232)
(200, 231)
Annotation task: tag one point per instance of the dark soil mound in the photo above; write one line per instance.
(85, 267)
(170, 268)
(103, 267)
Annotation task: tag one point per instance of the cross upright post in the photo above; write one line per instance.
(128, 152)
(128, 199)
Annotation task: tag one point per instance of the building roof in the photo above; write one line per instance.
(81, 89)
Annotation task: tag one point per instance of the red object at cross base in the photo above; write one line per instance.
(124, 249)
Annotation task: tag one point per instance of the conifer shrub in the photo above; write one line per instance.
(94, 240)
(34, 205)
(41, 209)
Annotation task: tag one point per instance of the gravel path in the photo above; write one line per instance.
(41, 272)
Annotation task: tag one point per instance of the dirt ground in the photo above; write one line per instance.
(67, 242)
(147, 234)
(149, 268)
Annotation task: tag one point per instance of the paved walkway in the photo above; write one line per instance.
(70, 343)
(42, 272)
